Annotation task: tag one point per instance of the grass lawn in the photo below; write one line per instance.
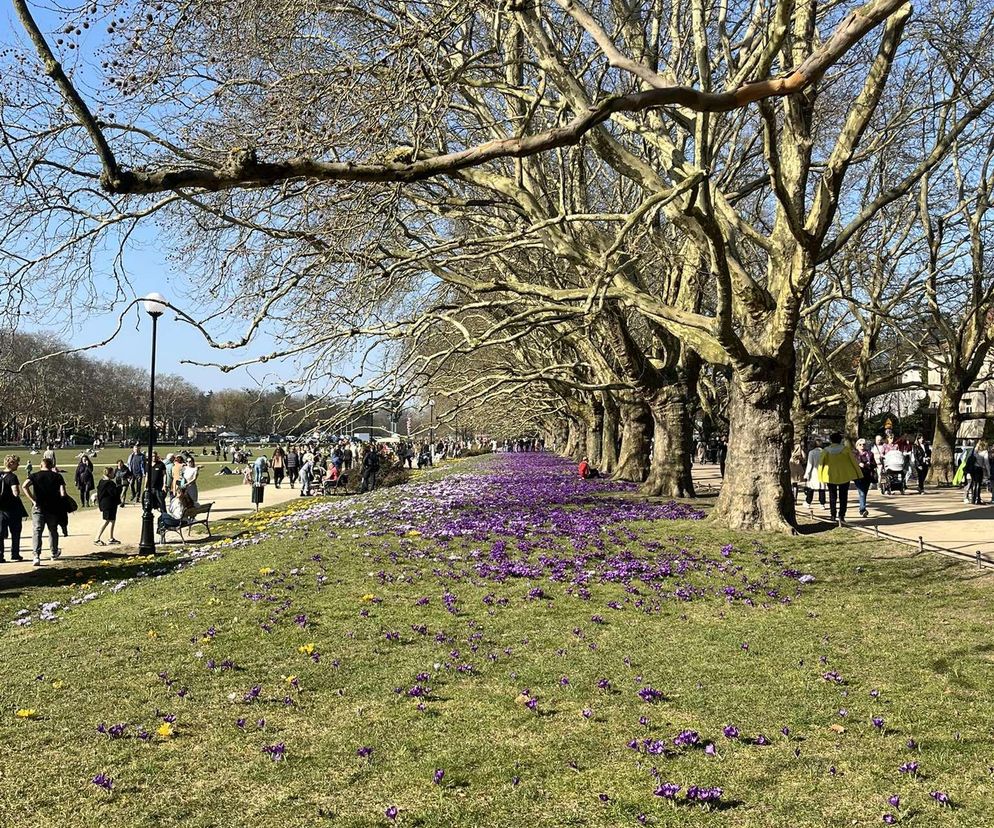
(561, 658)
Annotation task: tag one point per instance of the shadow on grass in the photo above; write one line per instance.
(103, 566)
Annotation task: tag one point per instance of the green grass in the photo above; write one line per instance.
(915, 627)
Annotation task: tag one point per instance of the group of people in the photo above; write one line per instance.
(890, 465)
(46, 489)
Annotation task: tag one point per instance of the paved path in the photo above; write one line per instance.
(939, 517)
(84, 524)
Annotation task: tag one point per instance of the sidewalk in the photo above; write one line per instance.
(84, 524)
(939, 517)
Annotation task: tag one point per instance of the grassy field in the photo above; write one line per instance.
(560, 659)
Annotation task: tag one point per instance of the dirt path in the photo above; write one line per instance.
(83, 526)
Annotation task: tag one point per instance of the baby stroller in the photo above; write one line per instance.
(892, 481)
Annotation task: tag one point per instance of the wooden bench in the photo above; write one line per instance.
(201, 516)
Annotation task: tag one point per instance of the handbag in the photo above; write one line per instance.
(69, 505)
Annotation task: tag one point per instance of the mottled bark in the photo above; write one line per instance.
(595, 427)
(636, 434)
(669, 470)
(609, 436)
(947, 423)
(756, 492)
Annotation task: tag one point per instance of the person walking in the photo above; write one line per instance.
(867, 465)
(50, 455)
(136, 465)
(122, 476)
(922, 452)
(878, 457)
(370, 466)
(108, 499)
(306, 474)
(157, 483)
(84, 479)
(12, 511)
(279, 466)
(838, 468)
(812, 483)
(260, 477)
(293, 465)
(45, 489)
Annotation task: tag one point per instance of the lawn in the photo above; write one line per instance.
(497, 644)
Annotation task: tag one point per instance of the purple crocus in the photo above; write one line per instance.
(730, 731)
(102, 780)
(894, 801)
(437, 776)
(941, 797)
(276, 752)
(365, 752)
(391, 812)
(650, 695)
(667, 790)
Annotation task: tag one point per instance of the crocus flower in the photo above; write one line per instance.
(437, 776)
(731, 732)
(391, 812)
(667, 790)
(102, 780)
(941, 797)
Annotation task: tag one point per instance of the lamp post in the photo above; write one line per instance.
(371, 416)
(431, 426)
(155, 306)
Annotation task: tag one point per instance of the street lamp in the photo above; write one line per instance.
(371, 416)
(431, 426)
(155, 306)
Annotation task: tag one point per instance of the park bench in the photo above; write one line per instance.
(201, 516)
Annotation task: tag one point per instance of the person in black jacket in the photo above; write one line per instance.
(108, 499)
(12, 511)
(923, 460)
(370, 466)
(293, 465)
(84, 479)
(157, 483)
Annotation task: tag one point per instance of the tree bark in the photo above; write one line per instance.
(672, 434)
(574, 440)
(595, 427)
(633, 460)
(854, 419)
(609, 436)
(756, 492)
(947, 423)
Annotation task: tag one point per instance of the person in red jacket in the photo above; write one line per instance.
(586, 470)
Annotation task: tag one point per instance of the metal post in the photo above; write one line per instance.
(980, 563)
(147, 544)
(921, 544)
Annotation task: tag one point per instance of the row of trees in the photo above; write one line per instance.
(603, 220)
(72, 393)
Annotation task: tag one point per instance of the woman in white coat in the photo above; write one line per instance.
(811, 482)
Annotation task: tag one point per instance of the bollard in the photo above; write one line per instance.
(980, 564)
(921, 544)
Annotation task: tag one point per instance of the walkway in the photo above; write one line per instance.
(83, 526)
(939, 517)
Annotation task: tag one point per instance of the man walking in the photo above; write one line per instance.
(136, 465)
(45, 489)
(11, 509)
(370, 466)
(157, 483)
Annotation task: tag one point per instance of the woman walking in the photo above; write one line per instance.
(12, 511)
(121, 477)
(279, 465)
(108, 499)
(260, 477)
(837, 468)
(812, 483)
(867, 464)
(84, 479)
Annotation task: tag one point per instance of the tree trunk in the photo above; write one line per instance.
(854, 419)
(672, 434)
(609, 436)
(756, 492)
(633, 461)
(574, 442)
(947, 423)
(595, 427)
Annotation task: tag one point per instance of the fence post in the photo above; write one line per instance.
(876, 530)
(980, 564)
(921, 544)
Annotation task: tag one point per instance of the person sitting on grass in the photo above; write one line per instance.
(108, 499)
(586, 471)
(181, 507)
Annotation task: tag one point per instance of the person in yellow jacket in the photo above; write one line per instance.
(838, 469)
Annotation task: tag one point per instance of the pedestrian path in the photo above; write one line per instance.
(84, 524)
(939, 518)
